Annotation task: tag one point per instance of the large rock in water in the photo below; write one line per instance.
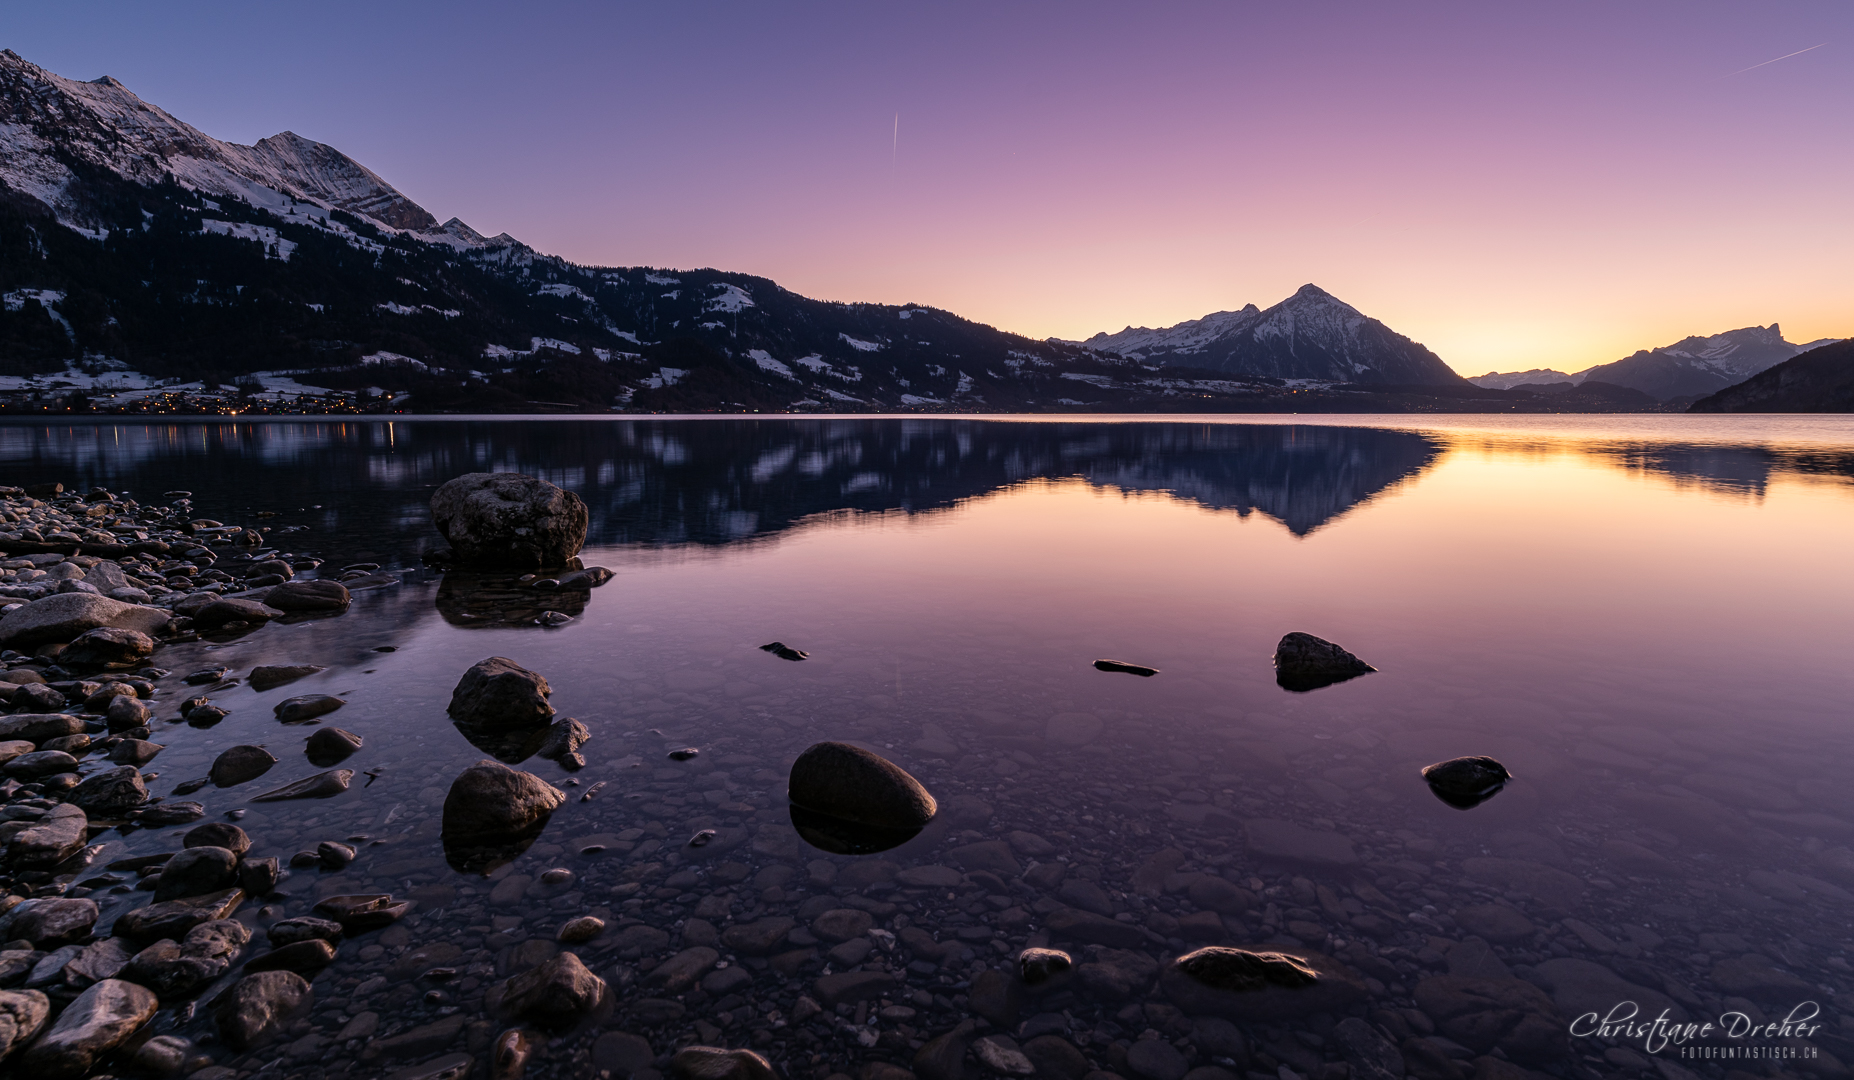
(317, 595)
(64, 616)
(492, 813)
(499, 695)
(256, 1006)
(106, 646)
(855, 785)
(1304, 662)
(555, 994)
(112, 792)
(100, 1020)
(509, 521)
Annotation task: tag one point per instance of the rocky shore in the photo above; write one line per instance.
(606, 898)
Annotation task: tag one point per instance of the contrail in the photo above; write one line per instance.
(1754, 67)
(894, 153)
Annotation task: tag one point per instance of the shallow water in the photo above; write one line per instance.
(1645, 619)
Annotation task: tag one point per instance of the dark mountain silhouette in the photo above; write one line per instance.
(1820, 380)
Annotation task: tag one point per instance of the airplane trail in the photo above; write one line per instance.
(1785, 56)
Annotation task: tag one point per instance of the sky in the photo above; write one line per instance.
(1552, 185)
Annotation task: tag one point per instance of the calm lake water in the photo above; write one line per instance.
(1648, 620)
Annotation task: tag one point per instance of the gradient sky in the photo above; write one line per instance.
(1512, 185)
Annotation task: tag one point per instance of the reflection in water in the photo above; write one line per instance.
(498, 601)
(840, 837)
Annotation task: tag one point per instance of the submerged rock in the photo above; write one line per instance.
(565, 737)
(1304, 662)
(1130, 669)
(107, 646)
(174, 918)
(360, 913)
(271, 676)
(1466, 782)
(308, 596)
(319, 786)
(173, 968)
(220, 614)
(509, 521)
(307, 707)
(257, 1006)
(855, 785)
(714, 1063)
(555, 994)
(330, 744)
(237, 764)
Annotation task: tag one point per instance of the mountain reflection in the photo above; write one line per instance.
(359, 490)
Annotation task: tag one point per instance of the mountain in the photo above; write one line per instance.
(1310, 335)
(1689, 367)
(1820, 380)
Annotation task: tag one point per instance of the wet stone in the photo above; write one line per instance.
(219, 834)
(555, 993)
(102, 1018)
(307, 707)
(50, 922)
(330, 744)
(320, 786)
(179, 813)
(237, 764)
(271, 676)
(713, 1063)
(302, 957)
(196, 871)
(257, 1006)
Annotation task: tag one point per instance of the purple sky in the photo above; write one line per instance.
(1553, 184)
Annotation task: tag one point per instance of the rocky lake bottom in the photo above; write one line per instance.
(1648, 849)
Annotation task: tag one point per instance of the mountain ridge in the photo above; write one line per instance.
(1692, 367)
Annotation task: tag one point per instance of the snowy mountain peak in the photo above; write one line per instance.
(49, 123)
(1692, 366)
(1310, 335)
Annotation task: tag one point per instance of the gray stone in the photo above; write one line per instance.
(206, 952)
(40, 727)
(996, 997)
(271, 676)
(580, 930)
(49, 922)
(107, 646)
(680, 972)
(1037, 966)
(853, 784)
(257, 1007)
(110, 793)
(1302, 660)
(63, 617)
(319, 786)
(563, 738)
(507, 521)
(196, 871)
(759, 937)
(174, 918)
(556, 993)
(238, 764)
(97, 961)
(225, 611)
(850, 987)
(54, 838)
(218, 834)
(842, 924)
(1500, 923)
(303, 928)
(302, 957)
(295, 710)
(1581, 986)
(1001, 1055)
(134, 752)
(491, 799)
(317, 595)
(943, 1058)
(38, 764)
(22, 1014)
(127, 712)
(331, 744)
(101, 1019)
(499, 695)
(1117, 974)
(623, 1053)
(1259, 985)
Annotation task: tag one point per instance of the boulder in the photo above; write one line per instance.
(22, 1014)
(1466, 782)
(110, 793)
(107, 646)
(299, 596)
(359, 913)
(852, 784)
(271, 676)
(499, 695)
(237, 764)
(65, 616)
(175, 918)
(555, 994)
(490, 799)
(258, 1006)
(1304, 662)
(1036, 966)
(565, 737)
(127, 712)
(303, 928)
(171, 968)
(50, 840)
(39, 764)
(509, 521)
(50, 922)
(40, 727)
(306, 707)
(330, 744)
(218, 834)
(101, 1019)
(1260, 985)
(196, 871)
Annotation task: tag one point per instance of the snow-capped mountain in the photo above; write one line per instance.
(1310, 335)
(1691, 366)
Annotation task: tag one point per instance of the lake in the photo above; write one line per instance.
(1645, 619)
